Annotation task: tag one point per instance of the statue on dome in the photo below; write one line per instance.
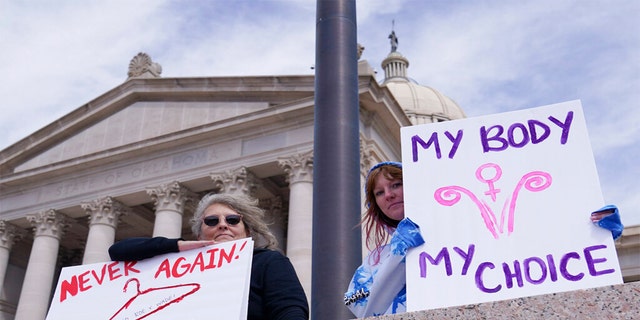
(392, 37)
(394, 41)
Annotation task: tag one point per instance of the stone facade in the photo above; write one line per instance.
(135, 160)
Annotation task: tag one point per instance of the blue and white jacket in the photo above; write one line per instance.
(380, 288)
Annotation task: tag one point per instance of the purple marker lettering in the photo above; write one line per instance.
(523, 132)
(553, 273)
(527, 270)
(485, 139)
(442, 255)
(535, 138)
(509, 276)
(415, 140)
(591, 261)
(480, 284)
(565, 126)
(467, 256)
(456, 142)
(564, 270)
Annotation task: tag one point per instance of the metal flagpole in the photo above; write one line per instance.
(336, 165)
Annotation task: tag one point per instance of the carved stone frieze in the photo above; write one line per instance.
(298, 167)
(172, 197)
(105, 210)
(141, 66)
(239, 181)
(10, 234)
(367, 156)
(274, 213)
(49, 223)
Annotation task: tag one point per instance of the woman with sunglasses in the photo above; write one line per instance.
(379, 285)
(275, 290)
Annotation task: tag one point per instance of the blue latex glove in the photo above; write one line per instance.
(611, 222)
(407, 235)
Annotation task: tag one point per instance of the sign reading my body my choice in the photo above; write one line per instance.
(193, 284)
(503, 203)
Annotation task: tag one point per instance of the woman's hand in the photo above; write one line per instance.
(193, 244)
(598, 215)
(608, 217)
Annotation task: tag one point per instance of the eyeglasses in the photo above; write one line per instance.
(232, 219)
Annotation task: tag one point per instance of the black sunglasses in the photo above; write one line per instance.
(231, 219)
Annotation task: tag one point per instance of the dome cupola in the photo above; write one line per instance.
(421, 104)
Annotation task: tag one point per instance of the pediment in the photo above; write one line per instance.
(141, 121)
(146, 109)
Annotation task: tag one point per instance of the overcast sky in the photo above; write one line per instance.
(489, 56)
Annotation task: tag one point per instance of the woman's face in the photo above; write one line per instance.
(224, 230)
(389, 197)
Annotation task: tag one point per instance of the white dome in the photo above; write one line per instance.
(421, 104)
(424, 104)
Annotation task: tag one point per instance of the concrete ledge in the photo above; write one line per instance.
(610, 302)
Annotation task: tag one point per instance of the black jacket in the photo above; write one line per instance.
(275, 291)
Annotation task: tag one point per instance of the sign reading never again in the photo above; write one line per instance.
(185, 284)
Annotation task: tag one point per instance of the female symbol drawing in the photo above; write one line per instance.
(533, 181)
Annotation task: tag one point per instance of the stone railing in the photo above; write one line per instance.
(611, 302)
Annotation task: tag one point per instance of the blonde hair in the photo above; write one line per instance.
(252, 217)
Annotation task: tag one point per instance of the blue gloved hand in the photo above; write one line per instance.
(612, 222)
(407, 235)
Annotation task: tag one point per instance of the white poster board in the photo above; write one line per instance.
(186, 285)
(503, 203)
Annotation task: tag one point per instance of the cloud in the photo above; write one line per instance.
(62, 55)
(489, 56)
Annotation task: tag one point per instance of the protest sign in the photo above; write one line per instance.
(503, 202)
(188, 285)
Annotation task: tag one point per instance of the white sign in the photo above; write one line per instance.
(188, 285)
(503, 203)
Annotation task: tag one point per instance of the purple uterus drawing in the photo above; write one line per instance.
(534, 181)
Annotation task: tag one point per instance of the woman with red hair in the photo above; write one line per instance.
(378, 285)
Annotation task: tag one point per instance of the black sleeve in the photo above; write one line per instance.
(283, 293)
(134, 249)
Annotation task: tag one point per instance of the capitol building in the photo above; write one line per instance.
(135, 161)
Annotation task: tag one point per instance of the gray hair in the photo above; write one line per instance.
(252, 217)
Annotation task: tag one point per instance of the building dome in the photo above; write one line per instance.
(421, 104)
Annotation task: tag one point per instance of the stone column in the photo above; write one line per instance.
(49, 227)
(9, 235)
(276, 219)
(299, 169)
(239, 181)
(170, 201)
(104, 215)
(368, 158)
